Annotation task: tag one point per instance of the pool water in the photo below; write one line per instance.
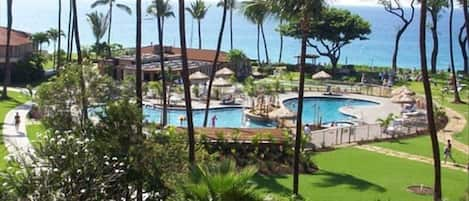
(328, 108)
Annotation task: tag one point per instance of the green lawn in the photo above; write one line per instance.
(5, 106)
(446, 100)
(32, 131)
(357, 175)
(421, 146)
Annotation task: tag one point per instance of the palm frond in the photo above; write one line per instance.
(125, 8)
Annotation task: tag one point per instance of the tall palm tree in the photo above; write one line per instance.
(111, 3)
(302, 10)
(462, 44)
(99, 24)
(457, 99)
(215, 61)
(59, 43)
(231, 6)
(161, 9)
(185, 78)
(466, 16)
(138, 85)
(429, 104)
(39, 39)
(435, 7)
(7, 76)
(198, 9)
(54, 35)
(257, 12)
(84, 101)
(70, 32)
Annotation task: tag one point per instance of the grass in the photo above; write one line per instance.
(421, 146)
(357, 175)
(32, 131)
(6, 105)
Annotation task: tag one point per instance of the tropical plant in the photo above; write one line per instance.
(221, 181)
(215, 62)
(59, 43)
(198, 9)
(257, 12)
(301, 11)
(435, 7)
(395, 8)
(240, 62)
(54, 35)
(161, 9)
(186, 82)
(111, 3)
(231, 5)
(7, 76)
(384, 123)
(437, 195)
(39, 39)
(138, 91)
(99, 24)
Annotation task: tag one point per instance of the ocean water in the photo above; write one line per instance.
(40, 15)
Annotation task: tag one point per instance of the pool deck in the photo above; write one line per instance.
(366, 114)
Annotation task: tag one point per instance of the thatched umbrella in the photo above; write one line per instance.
(405, 99)
(282, 113)
(198, 77)
(224, 72)
(407, 91)
(321, 75)
(399, 90)
(220, 82)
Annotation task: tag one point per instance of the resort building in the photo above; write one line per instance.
(20, 45)
(199, 60)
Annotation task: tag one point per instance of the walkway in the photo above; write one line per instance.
(456, 123)
(16, 141)
(403, 155)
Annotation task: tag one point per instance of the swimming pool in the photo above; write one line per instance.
(328, 108)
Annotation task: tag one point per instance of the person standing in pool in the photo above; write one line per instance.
(448, 152)
(214, 119)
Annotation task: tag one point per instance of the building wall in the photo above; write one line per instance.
(16, 52)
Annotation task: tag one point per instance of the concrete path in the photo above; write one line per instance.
(456, 123)
(16, 141)
(403, 155)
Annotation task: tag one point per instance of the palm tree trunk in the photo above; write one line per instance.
(466, 17)
(215, 62)
(281, 44)
(163, 76)
(301, 89)
(200, 34)
(69, 32)
(53, 55)
(138, 85)
(60, 36)
(231, 24)
(185, 77)
(109, 29)
(84, 101)
(434, 30)
(6, 79)
(258, 45)
(429, 104)
(396, 47)
(265, 44)
(457, 99)
(462, 45)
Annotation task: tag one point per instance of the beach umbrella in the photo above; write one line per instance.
(198, 76)
(406, 99)
(396, 98)
(220, 82)
(407, 91)
(282, 113)
(321, 75)
(224, 72)
(398, 90)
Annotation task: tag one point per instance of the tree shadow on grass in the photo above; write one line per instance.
(270, 183)
(331, 179)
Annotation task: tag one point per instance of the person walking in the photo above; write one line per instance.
(448, 153)
(17, 121)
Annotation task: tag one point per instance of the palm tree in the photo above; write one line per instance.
(231, 6)
(99, 24)
(462, 44)
(198, 9)
(466, 17)
(70, 32)
(434, 7)
(397, 10)
(59, 44)
(54, 35)
(302, 10)
(6, 79)
(457, 99)
(384, 123)
(257, 11)
(111, 3)
(84, 101)
(187, 84)
(221, 181)
(138, 85)
(161, 9)
(429, 104)
(215, 62)
(38, 39)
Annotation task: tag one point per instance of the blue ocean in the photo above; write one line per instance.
(40, 15)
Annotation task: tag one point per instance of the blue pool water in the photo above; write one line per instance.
(328, 108)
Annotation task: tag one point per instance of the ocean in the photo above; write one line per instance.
(40, 15)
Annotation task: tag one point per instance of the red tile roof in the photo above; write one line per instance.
(17, 37)
(194, 54)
